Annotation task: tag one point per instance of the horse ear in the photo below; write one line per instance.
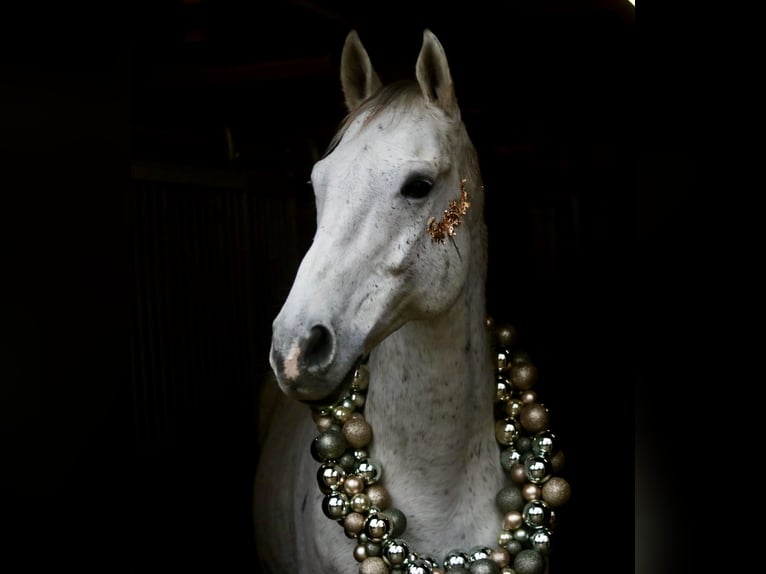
(357, 76)
(432, 72)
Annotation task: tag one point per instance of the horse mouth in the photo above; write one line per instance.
(340, 389)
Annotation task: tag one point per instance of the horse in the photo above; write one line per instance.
(382, 455)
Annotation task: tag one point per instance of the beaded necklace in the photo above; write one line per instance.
(529, 454)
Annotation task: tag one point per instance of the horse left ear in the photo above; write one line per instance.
(357, 76)
(432, 72)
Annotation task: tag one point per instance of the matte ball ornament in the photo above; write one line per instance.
(323, 422)
(348, 533)
(519, 356)
(529, 561)
(354, 522)
(379, 496)
(347, 461)
(500, 556)
(558, 461)
(509, 499)
(355, 416)
(330, 445)
(373, 548)
(373, 565)
(513, 547)
(518, 474)
(531, 491)
(556, 491)
(523, 444)
(357, 431)
(360, 553)
(507, 335)
(523, 375)
(353, 485)
(521, 534)
(398, 522)
(484, 566)
(512, 520)
(534, 417)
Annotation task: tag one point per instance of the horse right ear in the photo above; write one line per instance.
(357, 76)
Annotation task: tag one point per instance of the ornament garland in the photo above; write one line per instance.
(528, 452)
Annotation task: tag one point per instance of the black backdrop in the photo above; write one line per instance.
(146, 255)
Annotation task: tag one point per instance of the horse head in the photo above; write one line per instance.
(399, 203)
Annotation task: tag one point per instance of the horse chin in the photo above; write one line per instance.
(319, 392)
(338, 391)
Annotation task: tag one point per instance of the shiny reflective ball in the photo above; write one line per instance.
(536, 513)
(396, 551)
(538, 469)
(335, 505)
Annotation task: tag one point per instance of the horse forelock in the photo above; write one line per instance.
(401, 96)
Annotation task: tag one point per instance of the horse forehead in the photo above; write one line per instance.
(387, 141)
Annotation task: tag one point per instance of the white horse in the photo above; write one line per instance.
(395, 278)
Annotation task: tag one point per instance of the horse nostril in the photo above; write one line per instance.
(319, 349)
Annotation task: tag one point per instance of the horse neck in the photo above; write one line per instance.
(430, 401)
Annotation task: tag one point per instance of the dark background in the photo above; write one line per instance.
(156, 211)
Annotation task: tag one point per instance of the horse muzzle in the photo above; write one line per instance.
(309, 368)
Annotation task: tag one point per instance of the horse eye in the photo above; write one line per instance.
(417, 188)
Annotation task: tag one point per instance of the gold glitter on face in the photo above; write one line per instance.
(439, 230)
